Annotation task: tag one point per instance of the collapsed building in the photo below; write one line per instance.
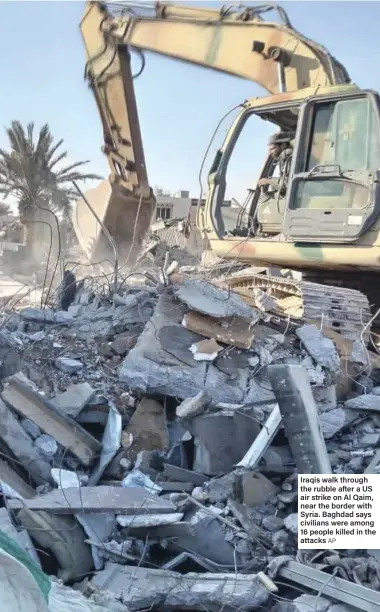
(151, 438)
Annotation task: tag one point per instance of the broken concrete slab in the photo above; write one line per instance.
(366, 403)
(64, 430)
(322, 349)
(70, 366)
(111, 442)
(176, 473)
(149, 520)
(256, 489)
(300, 417)
(139, 588)
(12, 480)
(215, 436)
(101, 499)
(64, 537)
(150, 369)
(37, 315)
(148, 428)
(234, 331)
(74, 399)
(22, 446)
(213, 301)
(335, 420)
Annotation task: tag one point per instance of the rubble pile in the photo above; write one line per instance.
(151, 439)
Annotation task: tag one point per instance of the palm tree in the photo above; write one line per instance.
(31, 171)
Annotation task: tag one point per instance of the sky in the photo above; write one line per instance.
(179, 104)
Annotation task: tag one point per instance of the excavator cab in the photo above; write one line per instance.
(333, 191)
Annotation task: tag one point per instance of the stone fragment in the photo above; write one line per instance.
(193, 406)
(216, 435)
(208, 299)
(335, 420)
(280, 541)
(30, 428)
(322, 349)
(256, 488)
(205, 350)
(47, 445)
(74, 399)
(223, 488)
(291, 522)
(306, 603)
(147, 426)
(272, 523)
(70, 366)
(369, 403)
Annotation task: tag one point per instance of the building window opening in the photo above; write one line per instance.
(163, 213)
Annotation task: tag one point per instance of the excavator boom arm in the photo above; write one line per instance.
(237, 42)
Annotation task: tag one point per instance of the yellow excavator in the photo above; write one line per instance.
(325, 224)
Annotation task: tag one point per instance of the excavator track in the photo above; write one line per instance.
(342, 310)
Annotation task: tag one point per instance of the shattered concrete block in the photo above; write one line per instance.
(291, 522)
(139, 588)
(369, 403)
(70, 366)
(305, 603)
(335, 420)
(257, 488)
(322, 349)
(147, 426)
(216, 436)
(193, 406)
(74, 399)
(213, 301)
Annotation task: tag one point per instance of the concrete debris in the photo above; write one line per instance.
(99, 499)
(70, 366)
(367, 403)
(322, 349)
(74, 399)
(233, 331)
(205, 350)
(36, 408)
(163, 427)
(207, 299)
(140, 588)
